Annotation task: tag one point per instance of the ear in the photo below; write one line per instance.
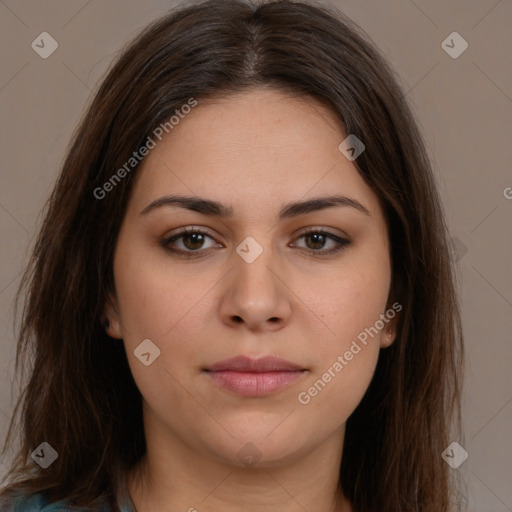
(389, 332)
(392, 313)
(111, 318)
(392, 316)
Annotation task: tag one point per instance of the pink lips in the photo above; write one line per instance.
(254, 377)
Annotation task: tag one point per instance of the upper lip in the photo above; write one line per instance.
(247, 364)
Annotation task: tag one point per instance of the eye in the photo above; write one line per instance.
(319, 237)
(193, 239)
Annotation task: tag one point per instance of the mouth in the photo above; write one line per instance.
(254, 377)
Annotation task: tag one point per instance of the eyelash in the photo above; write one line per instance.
(342, 243)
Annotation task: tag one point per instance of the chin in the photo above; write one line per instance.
(260, 450)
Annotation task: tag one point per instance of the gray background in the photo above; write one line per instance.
(464, 106)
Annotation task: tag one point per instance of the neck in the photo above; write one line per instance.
(194, 482)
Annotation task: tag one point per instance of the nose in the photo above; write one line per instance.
(256, 295)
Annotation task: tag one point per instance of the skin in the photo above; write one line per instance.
(254, 151)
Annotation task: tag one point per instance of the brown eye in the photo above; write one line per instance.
(316, 240)
(192, 241)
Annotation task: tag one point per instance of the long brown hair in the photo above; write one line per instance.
(80, 395)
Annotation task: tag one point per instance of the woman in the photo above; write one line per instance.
(241, 296)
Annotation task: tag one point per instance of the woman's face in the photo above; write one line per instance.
(251, 283)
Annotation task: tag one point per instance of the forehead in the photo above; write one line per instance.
(263, 146)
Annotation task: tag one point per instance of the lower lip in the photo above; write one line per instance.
(255, 384)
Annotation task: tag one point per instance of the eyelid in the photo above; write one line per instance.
(193, 228)
(325, 229)
(167, 239)
(187, 230)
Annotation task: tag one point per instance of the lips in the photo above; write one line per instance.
(246, 364)
(254, 377)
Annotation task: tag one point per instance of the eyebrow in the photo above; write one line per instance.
(289, 210)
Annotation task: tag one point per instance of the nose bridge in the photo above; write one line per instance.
(254, 264)
(257, 294)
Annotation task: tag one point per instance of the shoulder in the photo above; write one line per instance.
(38, 503)
(33, 503)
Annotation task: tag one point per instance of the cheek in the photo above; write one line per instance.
(347, 356)
(155, 299)
(345, 361)
(334, 394)
(156, 307)
(154, 304)
(353, 301)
